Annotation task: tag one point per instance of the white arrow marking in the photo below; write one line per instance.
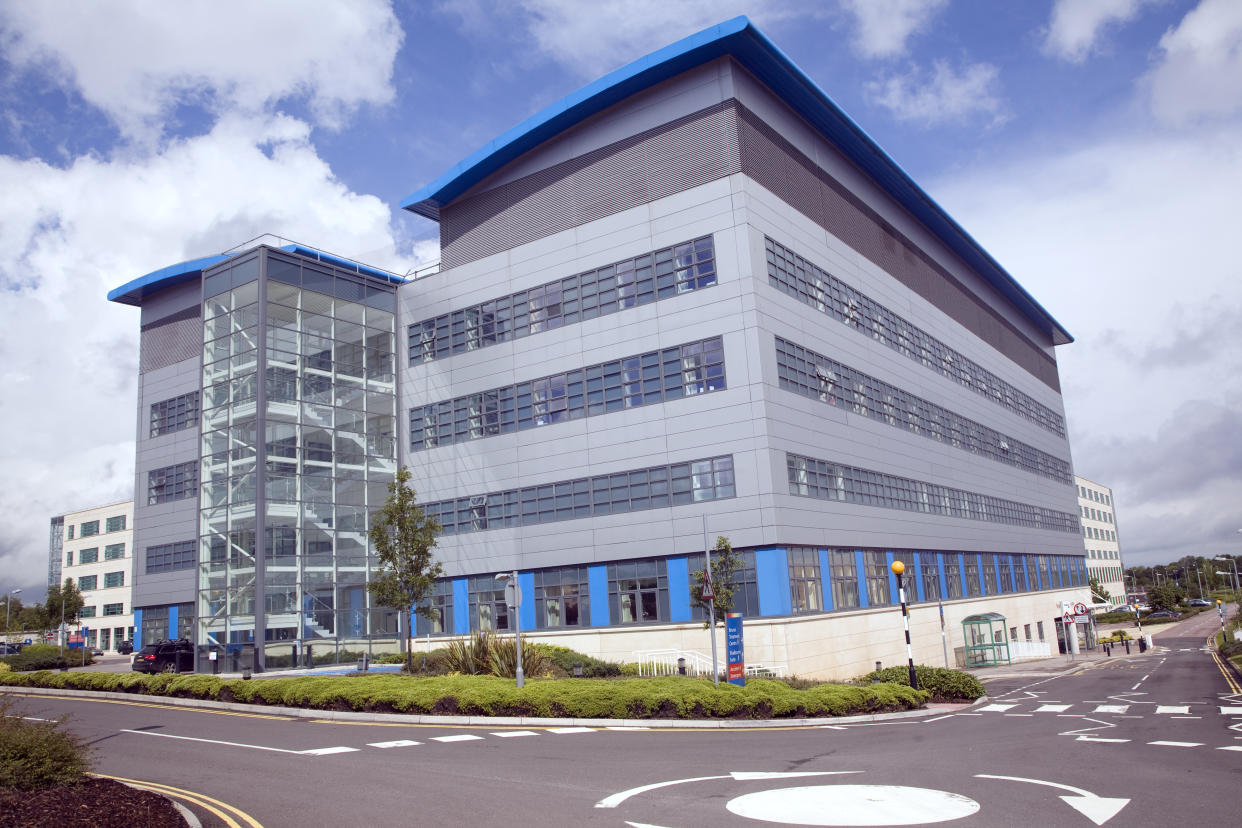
(617, 798)
(1098, 809)
(1100, 726)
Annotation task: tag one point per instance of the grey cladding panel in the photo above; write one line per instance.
(170, 340)
(782, 168)
(677, 156)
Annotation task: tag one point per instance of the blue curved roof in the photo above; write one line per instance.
(739, 39)
(133, 292)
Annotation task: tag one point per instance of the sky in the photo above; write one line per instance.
(1093, 147)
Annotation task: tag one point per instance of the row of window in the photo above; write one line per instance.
(628, 491)
(605, 290)
(174, 414)
(1098, 534)
(169, 557)
(794, 275)
(1106, 573)
(90, 528)
(825, 480)
(1098, 497)
(108, 609)
(813, 375)
(172, 483)
(1096, 514)
(112, 552)
(1110, 554)
(111, 579)
(819, 580)
(629, 382)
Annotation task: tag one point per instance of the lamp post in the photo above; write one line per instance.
(1234, 564)
(513, 597)
(898, 568)
(8, 608)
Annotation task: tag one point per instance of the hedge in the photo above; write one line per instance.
(941, 683)
(669, 697)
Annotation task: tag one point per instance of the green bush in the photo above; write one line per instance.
(4, 668)
(565, 659)
(503, 658)
(471, 656)
(37, 755)
(942, 683)
(47, 657)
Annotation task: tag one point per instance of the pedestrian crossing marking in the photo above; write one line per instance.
(1052, 708)
(394, 743)
(1231, 711)
(507, 734)
(456, 737)
(571, 730)
(1111, 708)
(1172, 708)
(998, 708)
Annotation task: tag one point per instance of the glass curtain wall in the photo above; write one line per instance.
(298, 427)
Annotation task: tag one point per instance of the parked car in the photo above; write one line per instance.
(125, 647)
(96, 651)
(10, 649)
(1200, 602)
(165, 656)
(1163, 614)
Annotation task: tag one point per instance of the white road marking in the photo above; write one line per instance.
(853, 805)
(1178, 744)
(1135, 687)
(1230, 747)
(505, 734)
(1112, 708)
(1000, 708)
(327, 751)
(939, 718)
(311, 752)
(625, 728)
(570, 729)
(1099, 739)
(1231, 711)
(1098, 809)
(1021, 715)
(456, 737)
(1185, 717)
(394, 743)
(1173, 708)
(1052, 708)
(1144, 678)
(616, 799)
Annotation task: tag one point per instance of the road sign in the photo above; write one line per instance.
(737, 658)
(1067, 618)
(1080, 608)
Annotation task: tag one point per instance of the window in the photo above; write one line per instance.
(174, 414)
(70, 529)
(86, 612)
(952, 574)
(638, 281)
(1026, 630)
(488, 610)
(876, 568)
(844, 566)
(562, 598)
(87, 582)
(972, 575)
(89, 528)
(440, 602)
(113, 609)
(805, 586)
(638, 591)
(929, 562)
(86, 556)
(1039, 627)
(154, 624)
(114, 579)
(116, 524)
(168, 557)
(172, 483)
(114, 551)
(68, 557)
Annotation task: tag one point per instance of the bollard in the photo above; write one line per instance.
(294, 661)
(681, 666)
(1142, 645)
(1127, 646)
(577, 671)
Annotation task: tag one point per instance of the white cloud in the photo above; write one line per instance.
(137, 60)
(885, 25)
(1199, 73)
(948, 96)
(1129, 242)
(1077, 25)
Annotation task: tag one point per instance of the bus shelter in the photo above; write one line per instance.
(987, 641)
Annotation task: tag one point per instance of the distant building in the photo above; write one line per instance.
(1099, 537)
(97, 553)
(55, 545)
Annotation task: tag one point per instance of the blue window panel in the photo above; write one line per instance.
(825, 579)
(461, 606)
(358, 611)
(961, 571)
(526, 614)
(137, 629)
(1039, 578)
(860, 567)
(772, 574)
(172, 621)
(1013, 576)
(918, 577)
(678, 589)
(983, 580)
(944, 582)
(889, 557)
(597, 587)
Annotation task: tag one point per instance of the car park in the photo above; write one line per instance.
(165, 656)
(1163, 614)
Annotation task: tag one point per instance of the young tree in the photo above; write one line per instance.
(403, 537)
(1098, 593)
(67, 594)
(1165, 596)
(726, 564)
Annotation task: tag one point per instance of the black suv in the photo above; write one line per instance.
(165, 656)
(125, 647)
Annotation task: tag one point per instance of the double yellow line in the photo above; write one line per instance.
(1220, 665)
(223, 810)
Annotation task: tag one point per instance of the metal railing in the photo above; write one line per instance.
(667, 662)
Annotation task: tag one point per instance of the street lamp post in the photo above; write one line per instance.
(513, 597)
(1234, 564)
(898, 568)
(8, 608)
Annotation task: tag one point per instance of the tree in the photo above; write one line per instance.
(1165, 597)
(403, 537)
(11, 611)
(1098, 593)
(72, 600)
(34, 617)
(726, 564)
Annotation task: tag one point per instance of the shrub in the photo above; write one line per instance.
(940, 682)
(36, 755)
(47, 657)
(4, 668)
(565, 659)
(472, 656)
(503, 658)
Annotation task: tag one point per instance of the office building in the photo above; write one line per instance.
(98, 554)
(1099, 537)
(691, 300)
